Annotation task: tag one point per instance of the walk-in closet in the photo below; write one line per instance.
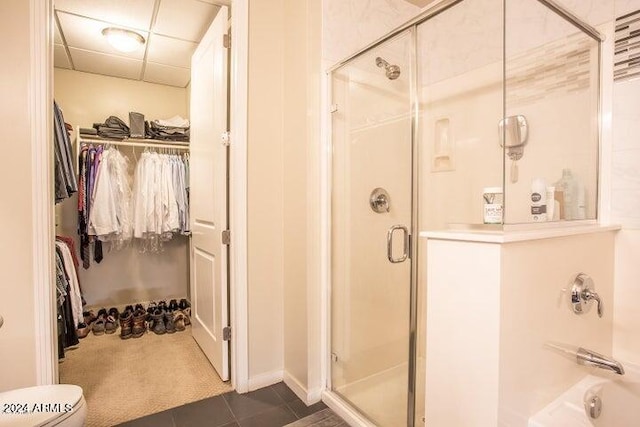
(140, 127)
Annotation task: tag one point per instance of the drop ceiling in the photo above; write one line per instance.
(172, 30)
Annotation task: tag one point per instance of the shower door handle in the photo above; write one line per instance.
(405, 255)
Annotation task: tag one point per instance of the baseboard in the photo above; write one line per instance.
(265, 380)
(309, 397)
(314, 395)
(301, 391)
(347, 413)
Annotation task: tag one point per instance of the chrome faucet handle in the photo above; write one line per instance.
(583, 293)
(593, 296)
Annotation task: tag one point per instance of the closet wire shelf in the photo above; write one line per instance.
(127, 142)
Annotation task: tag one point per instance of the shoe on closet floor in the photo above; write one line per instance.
(150, 309)
(126, 324)
(83, 330)
(89, 317)
(178, 320)
(158, 326)
(169, 323)
(99, 324)
(173, 305)
(162, 305)
(185, 307)
(139, 324)
(111, 323)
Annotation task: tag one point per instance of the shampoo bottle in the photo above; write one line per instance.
(567, 185)
(538, 200)
(551, 203)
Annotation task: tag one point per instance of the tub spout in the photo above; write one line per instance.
(591, 358)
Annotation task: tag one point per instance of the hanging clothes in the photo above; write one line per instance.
(89, 160)
(113, 211)
(67, 335)
(64, 175)
(110, 213)
(160, 200)
(73, 293)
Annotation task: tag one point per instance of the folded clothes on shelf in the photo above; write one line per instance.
(113, 127)
(175, 121)
(88, 131)
(167, 129)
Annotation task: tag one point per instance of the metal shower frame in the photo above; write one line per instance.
(412, 25)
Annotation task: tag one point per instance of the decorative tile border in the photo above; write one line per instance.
(626, 64)
(555, 68)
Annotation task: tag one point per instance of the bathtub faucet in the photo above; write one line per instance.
(591, 358)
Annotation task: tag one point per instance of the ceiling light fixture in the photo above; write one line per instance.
(123, 40)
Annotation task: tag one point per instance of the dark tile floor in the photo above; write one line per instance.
(273, 406)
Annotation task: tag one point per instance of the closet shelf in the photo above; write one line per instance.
(131, 142)
(134, 142)
(127, 142)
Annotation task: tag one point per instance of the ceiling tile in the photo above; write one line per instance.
(168, 51)
(60, 58)
(135, 14)
(109, 65)
(166, 75)
(57, 38)
(184, 19)
(85, 33)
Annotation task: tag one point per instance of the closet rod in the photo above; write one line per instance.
(133, 144)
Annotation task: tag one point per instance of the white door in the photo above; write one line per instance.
(208, 196)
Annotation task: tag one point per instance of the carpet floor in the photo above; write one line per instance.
(126, 379)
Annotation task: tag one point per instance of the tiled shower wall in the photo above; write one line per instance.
(625, 185)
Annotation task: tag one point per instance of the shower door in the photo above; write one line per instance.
(371, 228)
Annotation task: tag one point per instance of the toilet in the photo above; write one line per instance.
(49, 405)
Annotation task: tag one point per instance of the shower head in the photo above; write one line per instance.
(392, 71)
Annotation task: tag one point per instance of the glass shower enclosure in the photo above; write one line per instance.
(471, 95)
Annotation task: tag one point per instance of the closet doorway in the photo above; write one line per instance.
(193, 266)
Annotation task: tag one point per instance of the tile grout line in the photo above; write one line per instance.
(235, 418)
(291, 409)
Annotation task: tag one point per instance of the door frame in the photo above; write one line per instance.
(43, 224)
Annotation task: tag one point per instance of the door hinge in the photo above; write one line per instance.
(333, 108)
(226, 237)
(226, 138)
(226, 41)
(226, 333)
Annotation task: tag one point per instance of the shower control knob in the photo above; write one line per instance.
(583, 293)
(379, 200)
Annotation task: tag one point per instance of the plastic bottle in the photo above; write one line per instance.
(551, 203)
(538, 200)
(567, 185)
(579, 197)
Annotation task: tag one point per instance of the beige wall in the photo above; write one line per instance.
(535, 310)
(301, 195)
(265, 189)
(283, 194)
(491, 309)
(17, 336)
(125, 276)
(295, 188)
(463, 319)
